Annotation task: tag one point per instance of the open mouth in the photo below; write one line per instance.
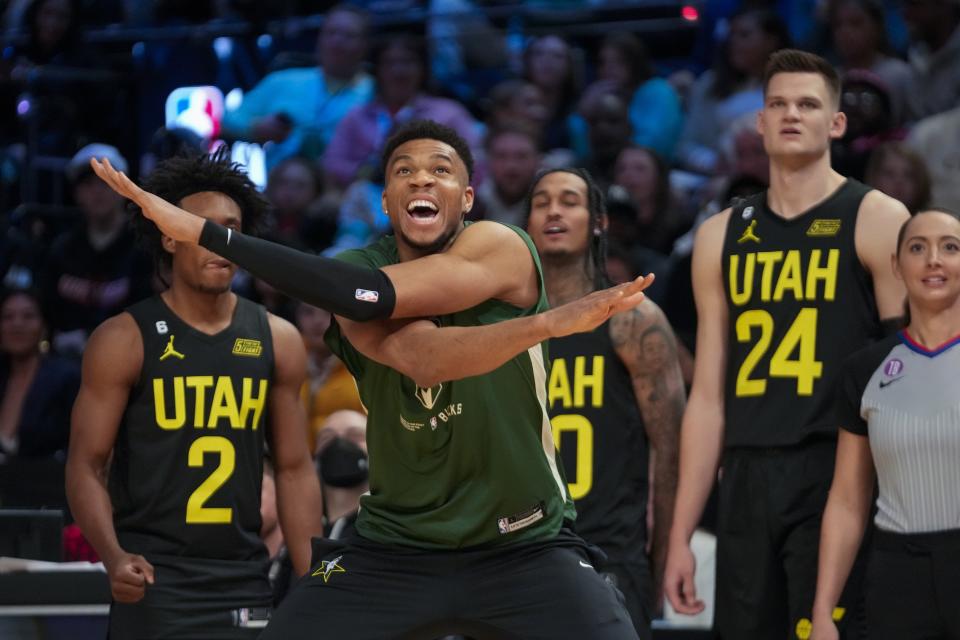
(554, 230)
(934, 281)
(421, 210)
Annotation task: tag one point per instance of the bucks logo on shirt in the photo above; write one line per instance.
(464, 463)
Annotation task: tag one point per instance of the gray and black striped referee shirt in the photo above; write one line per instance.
(906, 399)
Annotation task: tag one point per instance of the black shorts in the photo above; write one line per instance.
(768, 535)
(194, 599)
(913, 586)
(363, 590)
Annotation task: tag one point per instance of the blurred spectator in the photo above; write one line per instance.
(298, 218)
(732, 88)
(298, 109)
(360, 219)
(655, 112)
(402, 69)
(512, 162)
(517, 101)
(20, 257)
(548, 63)
(935, 140)
(167, 143)
(900, 173)
(95, 270)
(36, 388)
(609, 132)
(934, 56)
(52, 73)
(342, 464)
(654, 220)
(329, 387)
(860, 40)
(865, 99)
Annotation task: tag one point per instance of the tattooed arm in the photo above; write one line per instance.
(645, 343)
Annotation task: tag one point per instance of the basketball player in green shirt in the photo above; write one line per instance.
(466, 528)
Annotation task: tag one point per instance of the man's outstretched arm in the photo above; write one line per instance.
(428, 354)
(486, 261)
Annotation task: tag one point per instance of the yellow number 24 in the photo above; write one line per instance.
(801, 338)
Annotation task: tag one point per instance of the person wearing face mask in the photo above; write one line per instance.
(341, 459)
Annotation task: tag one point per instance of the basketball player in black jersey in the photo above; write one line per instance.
(787, 283)
(616, 397)
(179, 394)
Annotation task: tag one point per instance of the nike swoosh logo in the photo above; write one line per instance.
(889, 382)
(585, 565)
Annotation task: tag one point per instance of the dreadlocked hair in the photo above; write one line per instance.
(180, 176)
(595, 266)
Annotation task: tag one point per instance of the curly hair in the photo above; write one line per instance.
(178, 177)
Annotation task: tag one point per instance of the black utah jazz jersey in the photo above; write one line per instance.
(601, 440)
(799, 302)
(188, 460)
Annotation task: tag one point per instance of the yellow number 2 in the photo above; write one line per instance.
(196, 512)
(584, 431)
(799, 340)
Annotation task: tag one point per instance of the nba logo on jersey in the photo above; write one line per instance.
(892, 368)
(747, 213)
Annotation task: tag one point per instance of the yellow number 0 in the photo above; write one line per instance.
(800, 337)
(196, 512)
(584, 431)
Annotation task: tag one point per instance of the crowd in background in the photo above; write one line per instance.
(670, 138)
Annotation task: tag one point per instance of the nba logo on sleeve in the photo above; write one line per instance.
(365, 295)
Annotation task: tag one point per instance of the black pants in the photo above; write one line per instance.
(362, 590)
(196, 599)
(768, 534)
(913, 586)
(635, 583)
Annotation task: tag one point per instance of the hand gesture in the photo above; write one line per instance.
(592, 310)
(129, 575)
(172, 221)
(678, 580)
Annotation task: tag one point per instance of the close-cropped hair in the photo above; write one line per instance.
(796, 61)
(428, 130)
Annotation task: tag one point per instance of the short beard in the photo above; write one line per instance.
(437, 245)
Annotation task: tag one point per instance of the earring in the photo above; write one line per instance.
(597, 232)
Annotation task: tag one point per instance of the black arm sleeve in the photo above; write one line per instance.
(354, 292)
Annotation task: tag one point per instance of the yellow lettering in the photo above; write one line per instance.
(224, 404)
(582, 380)
(199, 384)
(559, 387)
(160, 405)
(252, 403)
(791, 277)
(742, 297)
(828, 274)
(768, 259)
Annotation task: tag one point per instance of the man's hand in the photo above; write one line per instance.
(678, 580)
(172, 221)
(129, 575)
(590, 311)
